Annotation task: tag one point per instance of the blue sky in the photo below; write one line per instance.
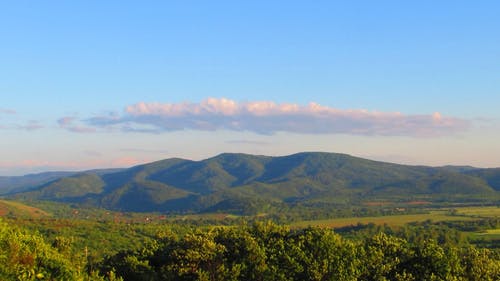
(89, 84)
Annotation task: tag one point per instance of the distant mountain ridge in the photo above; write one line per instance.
(23, 183)
(233, 181)
(20, 183)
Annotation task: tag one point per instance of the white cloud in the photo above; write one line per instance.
(266, 117)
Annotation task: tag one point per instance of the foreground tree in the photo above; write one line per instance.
(26, 256)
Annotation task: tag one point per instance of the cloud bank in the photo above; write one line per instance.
(266, 117)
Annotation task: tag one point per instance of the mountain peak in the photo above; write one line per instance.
(181, 185)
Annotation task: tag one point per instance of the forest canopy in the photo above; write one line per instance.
(259, 251)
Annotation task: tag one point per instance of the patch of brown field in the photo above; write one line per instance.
(3, 210)
(208, 216)
(34, 212)
(377, 203)
(219, 216)
(21, 209)
(212, 216)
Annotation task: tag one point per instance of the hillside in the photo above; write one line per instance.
(19, 210)
(241, 182)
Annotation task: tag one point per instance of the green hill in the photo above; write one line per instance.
(230, 182)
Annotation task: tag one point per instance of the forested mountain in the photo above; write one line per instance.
(236, 182)
(21, 183)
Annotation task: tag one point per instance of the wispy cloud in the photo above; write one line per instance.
(266, 117)
(140, 150)
(7, 111)
(72, 124)
(392, 158)
(4, 111)
(127, 161)
(16, 122)
(26, 166)
(249, 142)
(92, 153)
(30, 126)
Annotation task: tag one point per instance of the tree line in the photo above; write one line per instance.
(255, 251)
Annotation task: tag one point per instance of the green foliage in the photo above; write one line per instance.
(259, 251)
(383, 255)
(26, 256)
(266, 251)
(478, 265)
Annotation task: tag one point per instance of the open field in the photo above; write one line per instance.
(436, 215)
(484, 212)
(493, 231)
(489, 237)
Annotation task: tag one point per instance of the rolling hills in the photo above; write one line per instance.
(242, 182)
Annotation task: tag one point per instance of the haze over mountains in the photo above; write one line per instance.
(232, 182)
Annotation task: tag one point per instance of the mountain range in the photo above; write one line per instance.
(235, 182)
